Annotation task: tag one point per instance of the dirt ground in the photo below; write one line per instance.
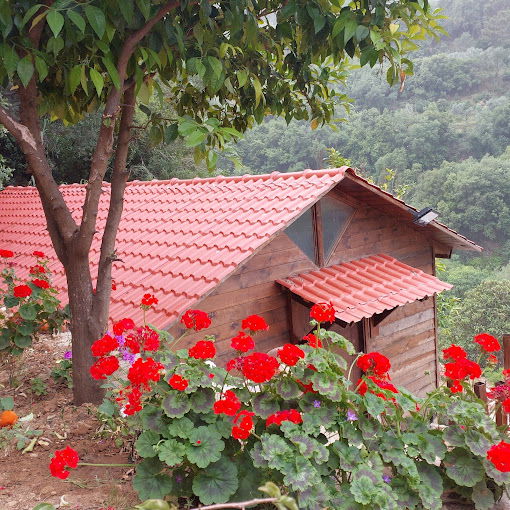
(25, 479)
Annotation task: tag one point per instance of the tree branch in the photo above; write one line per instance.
(118, 185)
(104, 145)
(241, 504)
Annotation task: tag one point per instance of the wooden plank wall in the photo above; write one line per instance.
(407, 336)
(252, 290)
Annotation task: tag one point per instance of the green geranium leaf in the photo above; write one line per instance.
(44, 506)
(307, 446)
(176, 404)
(431, 447)
(431, 488)
(363, 489)
(287, 388)
(349, 457)
(275, 450)
(342, 342)
(202, 400)
(25, 328)
(149, 482)
(256, 454)
(6, 403)
(265, 404)
(375, 405)
(217, 483)
(171, 452)
(23, 341)
(107, 407)
(482, 496)
(462, 468)
(205, 446)
(152, 419)
(317, 418)
(181, 427)
(28, 311)
(454, 436)
(11, 301)
(498, 476)
(327, 384)
(146, 442)
(299, 473)
(477, 442)
(249, 480)
(224, 427)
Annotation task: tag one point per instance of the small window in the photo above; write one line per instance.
(334, 218)
(302, 233)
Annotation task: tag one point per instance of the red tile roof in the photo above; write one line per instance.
(177, 239)
(364, 287)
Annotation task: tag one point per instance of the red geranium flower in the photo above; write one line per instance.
(22, 291)
(39, 254)
(243, 425)
(234, 364)
(203, 349)
(103, 367)
(104, 346)
(37, 270)
(259, 367)
(255, 323)
(63, 459)
(242, 342)
(6, 254)
(196, 319)
(306, 388)
(288, 415)
(487, 342)
(462, 368)
(228, 405)
(42, 284)
(506, 405)
(454, 352)
(134, 403)
(375, 363)
(456, 387)
(312, 340)
(178, 382)
(142, 371)
(290, 354)
(148, 300)
(323, 312)
(499, 455)
(123, 325)
(492, 359)
(362, 387)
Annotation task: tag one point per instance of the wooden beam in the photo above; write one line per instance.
(318, 232)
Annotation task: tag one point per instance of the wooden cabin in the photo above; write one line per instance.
(271, 245)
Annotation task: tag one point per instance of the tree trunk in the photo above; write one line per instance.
(84, 329)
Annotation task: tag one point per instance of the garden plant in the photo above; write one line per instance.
(208, 434)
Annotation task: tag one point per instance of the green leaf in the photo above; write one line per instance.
(28, 15)
(454, 436)
(327, 383)
(349, 457)
(205, 446)
(477, 442)
(127, 9)
(171, 133)
(74, 78)
(216, 66)
(149, 482)
(107, 408)
(171, 452)
(25, 328)
(25, 69)
(154, 504)
(431, 447)
(202, 400)
(350, 29)
(28, 311)
(375, 405)
(146, 442)
(23, 341)
(176, 404)
(145, 8)
(180, 427)
(217, 483)
(287, 388)
(431, 488)
(257, 87)
(462, 468)
(299, 473)
(7, 403)
(55, 21)
(10, 58)
(44, 506)
(362, 32)
(482, 496)
(265, 404)
(112, 71)
(96, 19)
(77, 19)
(196, 138)
(42, 68)
(97, 80)
(242, 77)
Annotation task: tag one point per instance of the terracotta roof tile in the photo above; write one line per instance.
(365, 287)
(177, 239)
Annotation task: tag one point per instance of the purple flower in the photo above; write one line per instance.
(179, 478)
(128, 356)
(316, 403)
(386, 479)
(120, 339)
(68, 355)
(351, 415)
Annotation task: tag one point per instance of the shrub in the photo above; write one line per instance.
(210, 434)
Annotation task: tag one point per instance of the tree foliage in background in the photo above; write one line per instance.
(224, 65)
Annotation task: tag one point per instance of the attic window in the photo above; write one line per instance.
(317, 231)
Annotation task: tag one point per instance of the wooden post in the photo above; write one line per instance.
(481, 392)
(506, 352)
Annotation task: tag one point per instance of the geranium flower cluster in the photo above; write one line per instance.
(460, 367)
(499, 455)
(62, 461)
(376, 367)
(279, 417)
(323, 312)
